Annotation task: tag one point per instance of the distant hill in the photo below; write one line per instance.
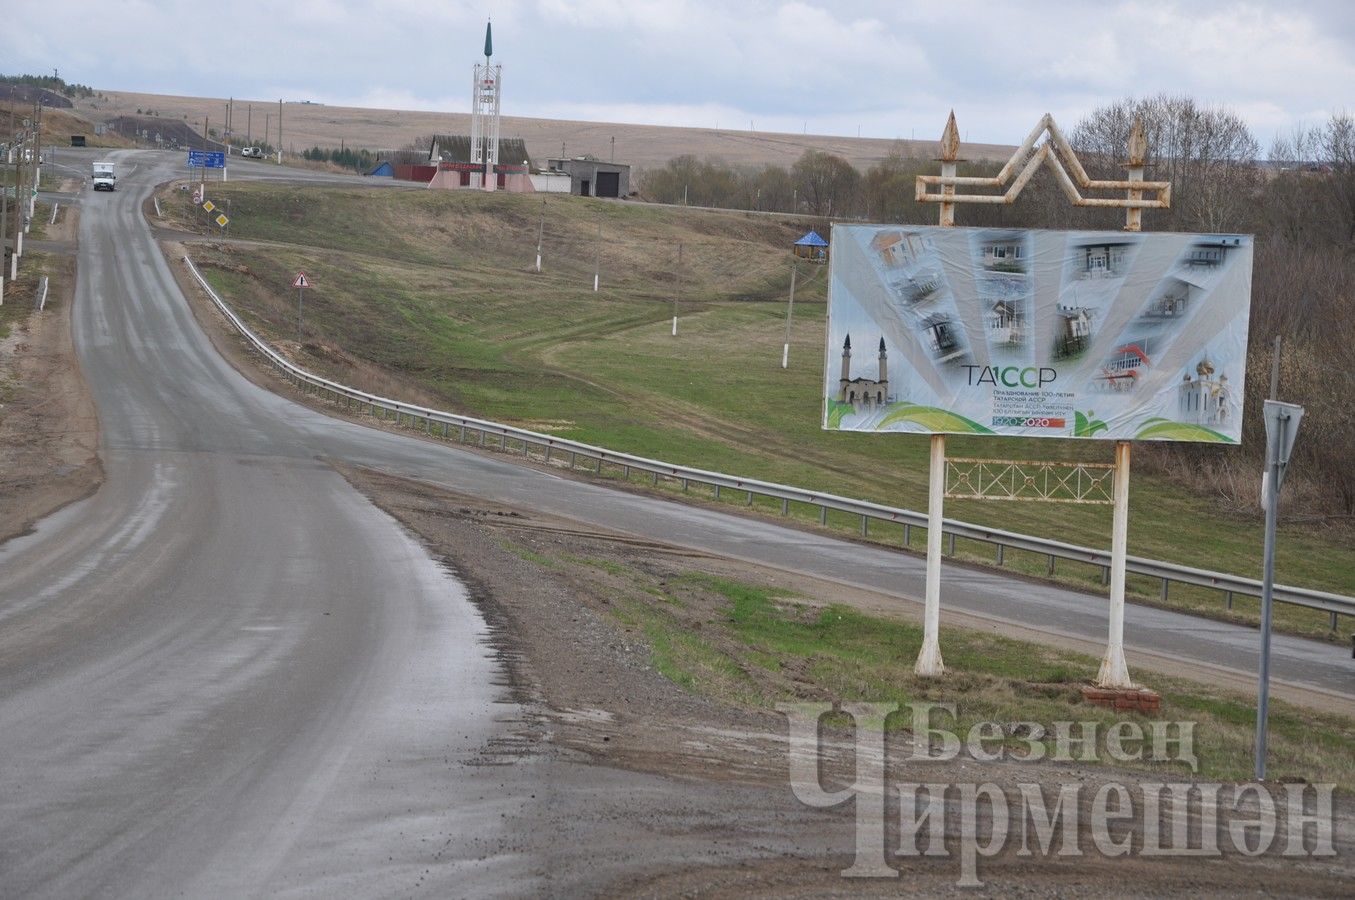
(312, 124)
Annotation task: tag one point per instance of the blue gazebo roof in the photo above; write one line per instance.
(811, 240)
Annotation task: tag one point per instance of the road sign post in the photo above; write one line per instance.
(300, 282)
(1282, 426)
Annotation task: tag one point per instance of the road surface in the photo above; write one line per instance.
(228, 673)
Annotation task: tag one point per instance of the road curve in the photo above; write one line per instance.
(227, 672)
(207, 668)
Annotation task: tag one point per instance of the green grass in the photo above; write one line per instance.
(752, 646)
(436, 289)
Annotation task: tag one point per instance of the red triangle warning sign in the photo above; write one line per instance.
(301, 281)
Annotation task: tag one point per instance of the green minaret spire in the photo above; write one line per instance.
(489, 42)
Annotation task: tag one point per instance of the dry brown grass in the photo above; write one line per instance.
(306, 125)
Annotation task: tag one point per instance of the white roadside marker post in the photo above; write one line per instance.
(790, 311)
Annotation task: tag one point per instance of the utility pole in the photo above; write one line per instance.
(279, 131)
(249, 124)
(267, 124)
(613, 148)
(790, 310)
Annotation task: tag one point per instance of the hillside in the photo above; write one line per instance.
(306, 125)
(431, 296)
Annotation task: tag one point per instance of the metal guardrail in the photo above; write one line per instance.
(482, 430)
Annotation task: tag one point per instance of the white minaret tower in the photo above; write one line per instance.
(484, 116)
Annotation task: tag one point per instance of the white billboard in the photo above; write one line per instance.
(1082, 334)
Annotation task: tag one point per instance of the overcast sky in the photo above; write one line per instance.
(890, 68)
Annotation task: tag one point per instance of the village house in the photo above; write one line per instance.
(1075, 330)
(1005, 252)
(1006, 323)
(897, 249)
(1101, 260)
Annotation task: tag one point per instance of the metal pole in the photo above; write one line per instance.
(300, 295)
(540, 234)
(929, 664)
(279, 131)
(1114, 673)
(790, 310)
(1275, 371)
(1267, 596)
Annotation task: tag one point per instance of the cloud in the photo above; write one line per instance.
(827, 66)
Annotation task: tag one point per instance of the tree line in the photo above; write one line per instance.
(1298, 199)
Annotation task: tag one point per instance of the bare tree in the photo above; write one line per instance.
(1207, 153)
(827, 183)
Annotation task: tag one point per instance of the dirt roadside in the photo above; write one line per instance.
(49, 427)
(589, 682)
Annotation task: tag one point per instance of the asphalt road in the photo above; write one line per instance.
(228, 672)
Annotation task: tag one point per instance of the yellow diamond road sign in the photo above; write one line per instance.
(222, 220)
(209, 206)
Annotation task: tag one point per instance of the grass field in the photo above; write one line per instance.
(752, 646)
(433, 293)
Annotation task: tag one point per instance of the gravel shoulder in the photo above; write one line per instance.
(49, 427)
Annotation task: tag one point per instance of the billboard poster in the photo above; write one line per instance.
(1103, 335)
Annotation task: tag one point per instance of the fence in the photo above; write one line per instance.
(509, 439)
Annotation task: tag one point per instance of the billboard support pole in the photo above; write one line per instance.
(1114, 673)
(929, 664)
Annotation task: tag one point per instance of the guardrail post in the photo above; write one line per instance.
(684, 485)
(444, 430)
(1049, 569)
(785, 507)
(1105, 575)
(1333, 620)
(929, 664)
(625, 472)
(717, 492)
(547, 453)
(1165, 583)
(524, 446)
(750, 498)
(655, 476)
(865, 526)
(572, 457)
(1000, 548)
(951, 540)
(907, 534)
(462, 439)
(823, 515)
(1227, 599)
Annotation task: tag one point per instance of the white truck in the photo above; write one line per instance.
(105, 179)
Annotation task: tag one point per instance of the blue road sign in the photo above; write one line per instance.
(207, 159)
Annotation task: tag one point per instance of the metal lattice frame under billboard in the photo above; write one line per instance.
(1049, 482)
